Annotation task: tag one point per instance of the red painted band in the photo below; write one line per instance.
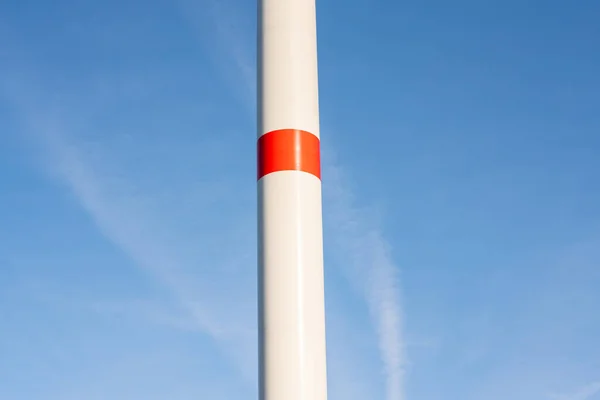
(288, 150)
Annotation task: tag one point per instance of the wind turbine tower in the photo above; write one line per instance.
(290, 233)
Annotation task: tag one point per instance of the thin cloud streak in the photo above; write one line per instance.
(369, 266)
(375, 276)
(206, 18)
(120, 212)
(586, 392)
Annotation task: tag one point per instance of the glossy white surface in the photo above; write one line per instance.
(288, 79)
(293, 317)
(290, 242)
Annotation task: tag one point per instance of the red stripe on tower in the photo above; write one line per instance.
(288, 150)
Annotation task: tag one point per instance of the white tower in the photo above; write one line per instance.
(290, 233)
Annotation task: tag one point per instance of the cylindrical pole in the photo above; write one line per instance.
(290, 233)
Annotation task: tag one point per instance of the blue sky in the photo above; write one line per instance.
(461, 193)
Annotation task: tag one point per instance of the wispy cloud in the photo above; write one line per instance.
(586, 392)
(367, 261)
(182, 258)
(365, 256)
(217, 22)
